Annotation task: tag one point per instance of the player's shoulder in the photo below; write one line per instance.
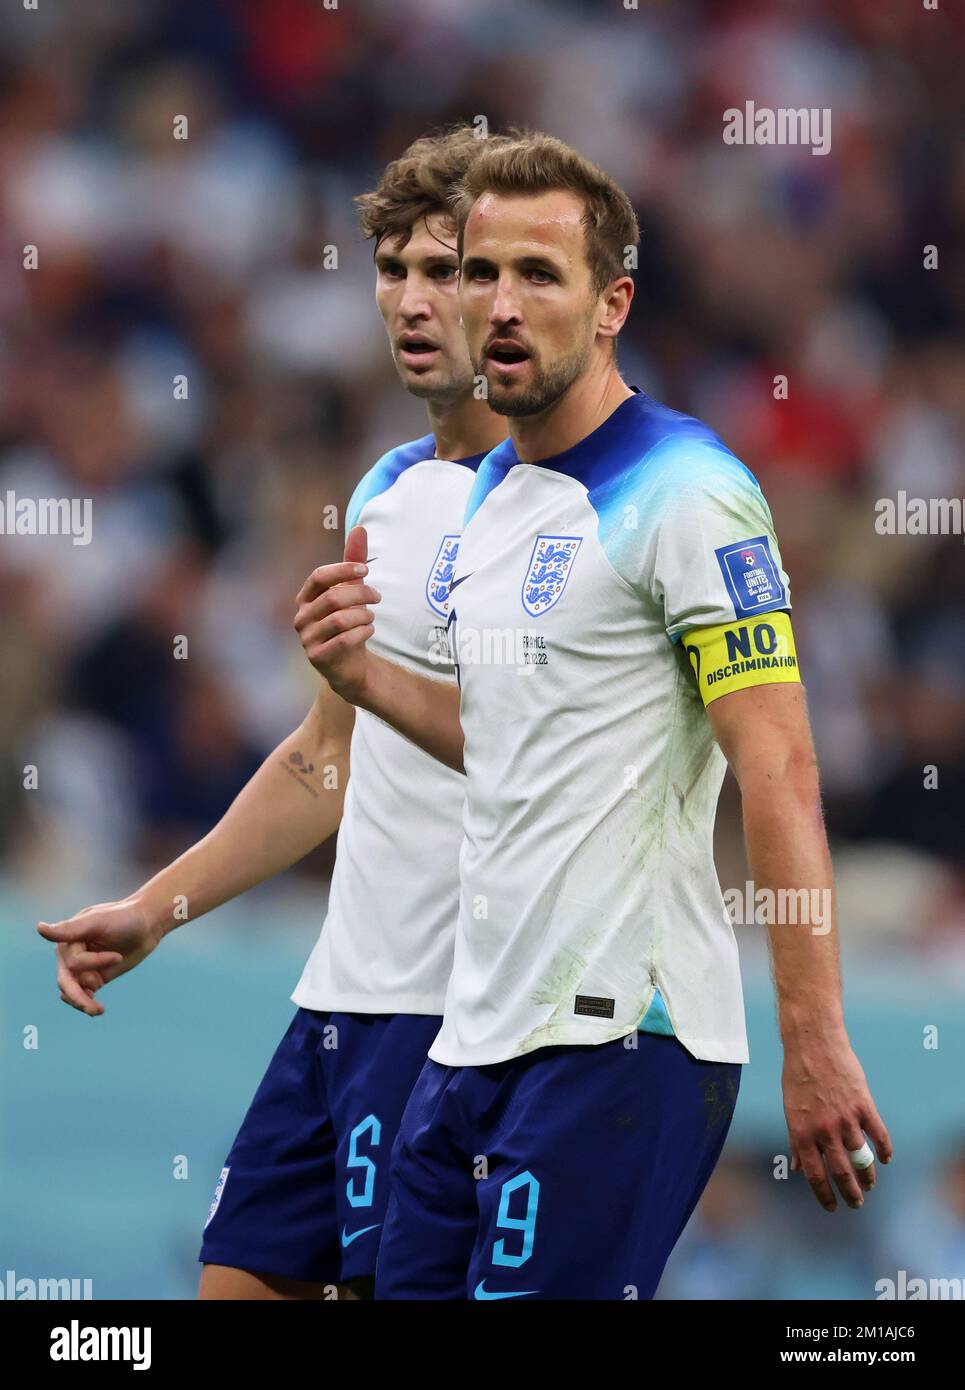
(664, 455)
(385, 473)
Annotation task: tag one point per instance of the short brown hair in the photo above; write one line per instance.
(531, 162)
(419, 182)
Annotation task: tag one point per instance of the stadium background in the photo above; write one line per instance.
(207, 257)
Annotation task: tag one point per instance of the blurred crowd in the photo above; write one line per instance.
(197, 351)
(759, 1240)
(208, 261)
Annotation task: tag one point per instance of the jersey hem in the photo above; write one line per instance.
(702, 1049)
(275, 1265)
(335, 1002)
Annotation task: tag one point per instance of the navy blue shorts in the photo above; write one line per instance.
(303, 1191)
(569, 1172)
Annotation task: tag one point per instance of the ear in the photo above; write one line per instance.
(616, 300)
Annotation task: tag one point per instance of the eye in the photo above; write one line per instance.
(392, 270)
(481, 272)
(444, 272)
(541, 277)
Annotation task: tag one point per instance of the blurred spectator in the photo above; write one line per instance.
(927, 1236)
(731, 1241)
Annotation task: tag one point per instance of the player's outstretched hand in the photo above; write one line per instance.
(829, 1109)
(333, 621)
(97, 945)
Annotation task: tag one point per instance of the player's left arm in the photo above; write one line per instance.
(705, 552)
(764, 733)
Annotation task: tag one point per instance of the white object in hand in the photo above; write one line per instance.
(863, 1157)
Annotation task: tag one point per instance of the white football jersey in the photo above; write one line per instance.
(386, 943)
(590, 904)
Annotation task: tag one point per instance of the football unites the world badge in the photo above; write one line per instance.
(752, 578)
(549, 570)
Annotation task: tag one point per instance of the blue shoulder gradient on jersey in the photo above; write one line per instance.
(632, 504)
(490, 473)
(656, 456)
(383, 474)
(608, 461)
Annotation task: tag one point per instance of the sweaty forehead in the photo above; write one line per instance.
(503, 226)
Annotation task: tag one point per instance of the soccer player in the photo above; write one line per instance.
(581, 1086)
(301, 1198)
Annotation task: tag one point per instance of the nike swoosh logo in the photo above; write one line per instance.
(347, 1239)
(482, 1292)
(461, 580)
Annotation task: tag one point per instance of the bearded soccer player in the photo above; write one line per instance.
(593, 1035)
(301, 1198)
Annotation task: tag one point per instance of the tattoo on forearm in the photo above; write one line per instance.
(297, 767)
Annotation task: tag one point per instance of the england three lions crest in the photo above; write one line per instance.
(549, 569)
(440, 575)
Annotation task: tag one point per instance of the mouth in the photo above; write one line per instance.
(507, 356)
(415, 350)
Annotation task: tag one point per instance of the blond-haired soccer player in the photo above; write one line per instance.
(593, 1034)
(301, 1197)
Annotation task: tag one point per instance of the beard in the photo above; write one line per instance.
(548, 384)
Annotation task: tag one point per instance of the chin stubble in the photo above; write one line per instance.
(546, 389)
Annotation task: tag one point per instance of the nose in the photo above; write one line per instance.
(503, 309)
(414, 304)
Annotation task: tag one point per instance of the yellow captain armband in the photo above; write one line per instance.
(749, 651)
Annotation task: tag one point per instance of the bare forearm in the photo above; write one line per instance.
(766, 738)
(789, 860)
(292, 804)
(425, 711)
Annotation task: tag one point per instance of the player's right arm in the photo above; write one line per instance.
(334, 624)
(292, 803)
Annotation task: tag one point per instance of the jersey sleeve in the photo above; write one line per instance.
(690, 530)
(712, 555)
(383, 474)
(716, 556)
(364, 489)
(694, 535)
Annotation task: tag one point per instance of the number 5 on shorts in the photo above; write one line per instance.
(357, 1160)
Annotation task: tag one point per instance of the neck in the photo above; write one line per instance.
(581, 409)
(464, 427)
